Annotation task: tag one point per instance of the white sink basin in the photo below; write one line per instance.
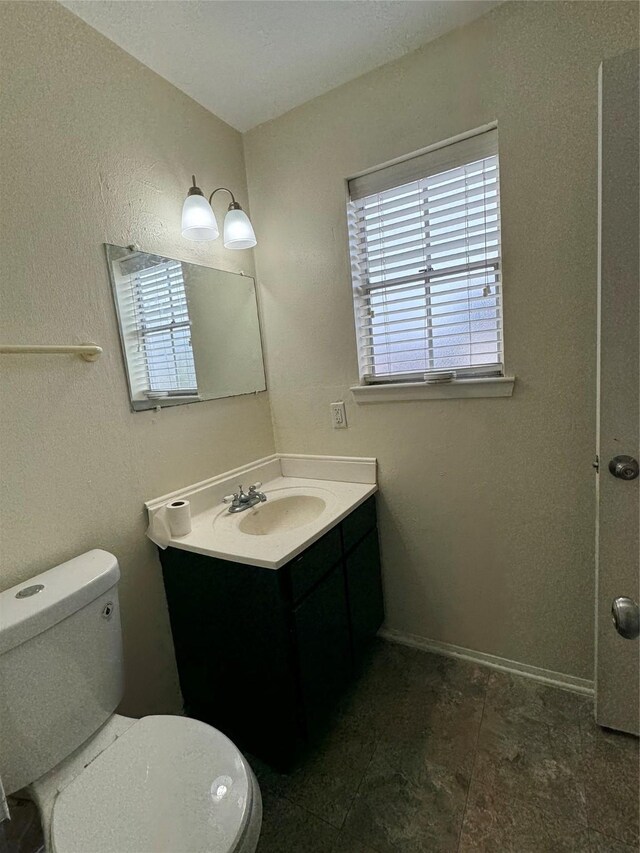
(306, 497)
(281, 514)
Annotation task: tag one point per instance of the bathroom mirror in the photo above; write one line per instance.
(188, 332)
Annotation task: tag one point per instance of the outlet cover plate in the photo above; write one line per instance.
(338, 415)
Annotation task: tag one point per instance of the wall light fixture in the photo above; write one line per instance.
(199, 221)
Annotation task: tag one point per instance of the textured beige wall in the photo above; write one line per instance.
(487, 506)
(96, 148)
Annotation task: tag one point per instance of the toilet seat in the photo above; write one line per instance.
(166, 785)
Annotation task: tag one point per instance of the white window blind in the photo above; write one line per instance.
(425, 250)
(156, 323)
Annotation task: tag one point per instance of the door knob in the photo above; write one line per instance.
(624, 467)
(626, 617)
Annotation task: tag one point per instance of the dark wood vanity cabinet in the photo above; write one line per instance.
(264, 654)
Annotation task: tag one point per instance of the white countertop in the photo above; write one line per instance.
(215, 532)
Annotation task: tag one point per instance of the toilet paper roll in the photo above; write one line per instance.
(179, 517)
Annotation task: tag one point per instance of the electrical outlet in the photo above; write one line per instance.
(338, 416)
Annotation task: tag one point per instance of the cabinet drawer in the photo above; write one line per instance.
(359, 523)
(307, 569)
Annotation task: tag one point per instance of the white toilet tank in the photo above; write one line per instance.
(61, 673)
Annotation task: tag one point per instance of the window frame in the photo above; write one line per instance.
(489, 379)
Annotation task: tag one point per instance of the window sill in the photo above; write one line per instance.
(492, 386)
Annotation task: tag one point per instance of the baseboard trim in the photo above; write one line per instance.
(546, 676)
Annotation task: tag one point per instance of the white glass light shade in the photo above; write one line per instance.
(198, 220)
(238, 231)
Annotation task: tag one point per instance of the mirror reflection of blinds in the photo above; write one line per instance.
(426, 264)
(160, 316)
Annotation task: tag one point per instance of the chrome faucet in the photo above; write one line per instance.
(242, 500)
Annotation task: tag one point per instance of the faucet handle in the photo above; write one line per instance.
(255, 487)
(236, 497)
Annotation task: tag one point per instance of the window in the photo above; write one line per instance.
(425, 252)
(155, 320)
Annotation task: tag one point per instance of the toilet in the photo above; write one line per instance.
(103, 782)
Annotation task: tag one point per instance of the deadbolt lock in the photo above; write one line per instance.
(624, 467)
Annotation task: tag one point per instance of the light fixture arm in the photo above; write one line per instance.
(195, 189)
(234, 204)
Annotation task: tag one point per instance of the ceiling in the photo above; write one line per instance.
(249, 61)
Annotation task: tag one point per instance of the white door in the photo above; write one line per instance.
(618, 518)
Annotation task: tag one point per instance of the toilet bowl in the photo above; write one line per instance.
(105, 783)
(160, 784)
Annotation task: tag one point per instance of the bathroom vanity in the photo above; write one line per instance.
(264, 652)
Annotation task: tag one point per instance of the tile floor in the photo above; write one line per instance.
(432, 754)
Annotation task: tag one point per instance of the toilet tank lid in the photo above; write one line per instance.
(65, 589)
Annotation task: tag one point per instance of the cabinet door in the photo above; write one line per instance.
(232, 636)
(322, 637)
(364, 590)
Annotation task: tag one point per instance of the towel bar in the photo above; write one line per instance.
(89, 352)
